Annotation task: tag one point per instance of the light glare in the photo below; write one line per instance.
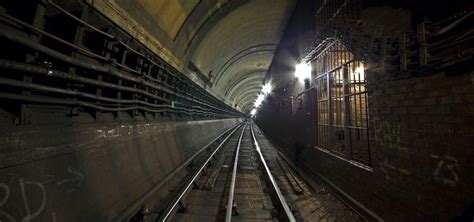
(259, 100)
(267, 88)
(358, 75)
(253, 112)
(303, 71)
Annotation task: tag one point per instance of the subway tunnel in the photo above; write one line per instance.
(244, 110)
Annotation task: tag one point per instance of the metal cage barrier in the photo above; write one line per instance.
(341, 104)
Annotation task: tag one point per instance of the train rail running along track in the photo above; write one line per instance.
(241, 180)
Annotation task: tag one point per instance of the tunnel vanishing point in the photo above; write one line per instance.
(236, 110)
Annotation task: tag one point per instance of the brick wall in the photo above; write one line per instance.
(421, 133)
(421, 128)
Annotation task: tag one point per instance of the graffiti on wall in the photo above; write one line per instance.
(445, 171)
(31, 195)
(27, 189)
(446, 167)
(388, 134)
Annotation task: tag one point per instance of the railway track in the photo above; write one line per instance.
(242, 181)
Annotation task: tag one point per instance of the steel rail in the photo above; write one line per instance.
(138, 202)
(230, 199)
(274, 185)
(169, 210)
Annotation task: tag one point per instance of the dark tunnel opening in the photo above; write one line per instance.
(256, 110)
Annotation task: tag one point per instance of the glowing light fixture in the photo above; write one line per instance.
(267, 88)
(303, 71)
(259, 100)
(358, 74)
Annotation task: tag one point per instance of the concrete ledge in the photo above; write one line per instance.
(93, 172)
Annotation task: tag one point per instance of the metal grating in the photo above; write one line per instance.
(341, 103)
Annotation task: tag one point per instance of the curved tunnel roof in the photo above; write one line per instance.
(239, 48)
(230, 42)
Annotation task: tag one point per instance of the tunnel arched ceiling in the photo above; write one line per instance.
(236, 89)
(223, 39)
(248, 95)
(240, 43)
(247, 88)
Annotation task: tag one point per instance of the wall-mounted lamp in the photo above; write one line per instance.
(358, 74)
(253, 112)
(259, 100)
(303, 71)
(267, 88)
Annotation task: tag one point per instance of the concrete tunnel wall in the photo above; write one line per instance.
(212, 42)
(93, 172)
